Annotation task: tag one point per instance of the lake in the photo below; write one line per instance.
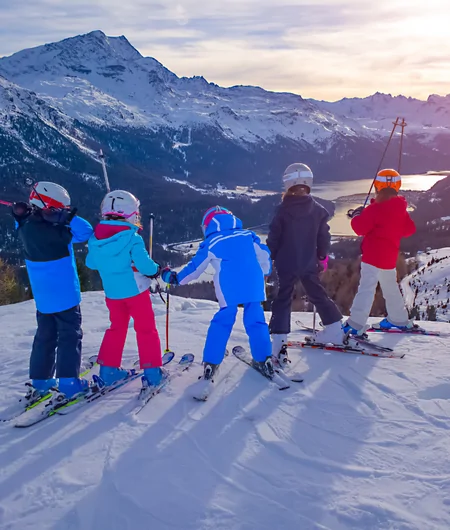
(340, 224)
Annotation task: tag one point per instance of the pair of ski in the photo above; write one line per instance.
(27, 403)
(60, 405)
(415, 330)
(280, 378)
(373, 350)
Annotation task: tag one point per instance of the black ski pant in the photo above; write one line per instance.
(57, 345)
(280, 323)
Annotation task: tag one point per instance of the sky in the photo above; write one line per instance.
(322, 49)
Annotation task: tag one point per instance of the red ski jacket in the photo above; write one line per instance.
(383, 224)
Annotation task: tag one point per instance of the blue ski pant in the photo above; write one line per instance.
(220, 330)
(57, 345)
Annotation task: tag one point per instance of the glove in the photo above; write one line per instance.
(323, 263)
(21, 210)
(169, 276)
(60, 216)
(157, 273)
(355, 212)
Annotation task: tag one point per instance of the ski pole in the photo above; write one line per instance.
(105, 173)
(6, 203)
(29, 182)
(167, 319)
(150, 242)
(396, 124)
(314, 319)
(402, 125)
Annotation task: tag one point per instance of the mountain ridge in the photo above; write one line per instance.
(60, 103)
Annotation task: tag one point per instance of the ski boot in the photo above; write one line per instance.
(153, 376)
(36, 390)
(351, 331)
(109, 375)
(331, 334)
(40, 387)
(71, 386)
(279, 349)
(209, 370)
(151, 380)
(265, 367)
(385, 325)
(205, 383)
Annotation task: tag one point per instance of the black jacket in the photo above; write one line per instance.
(43, 241)
(299, 235)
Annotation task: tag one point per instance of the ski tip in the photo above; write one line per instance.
(187, 358)
(167, 357)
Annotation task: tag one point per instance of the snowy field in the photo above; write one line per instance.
(363, 444)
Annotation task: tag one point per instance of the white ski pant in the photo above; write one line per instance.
(362, 304)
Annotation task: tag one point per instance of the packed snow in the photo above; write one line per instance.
(361, 444)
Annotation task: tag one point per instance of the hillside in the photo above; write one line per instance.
(362, 444)
(429, 285)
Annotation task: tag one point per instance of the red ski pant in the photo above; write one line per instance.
(149, 346)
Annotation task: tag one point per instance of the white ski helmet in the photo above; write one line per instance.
(121, 204)
(49, 195)
(297, 174)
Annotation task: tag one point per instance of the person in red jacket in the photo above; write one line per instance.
(382, 224)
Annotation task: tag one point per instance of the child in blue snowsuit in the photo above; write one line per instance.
(47, 229)
(240, 262)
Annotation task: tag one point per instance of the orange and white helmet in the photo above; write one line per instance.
(388, 178)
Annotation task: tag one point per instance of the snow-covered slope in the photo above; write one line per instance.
(361, 445)
(429, 285)
(21, 111)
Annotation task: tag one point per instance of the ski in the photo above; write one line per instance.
(358, 339)
(308, 343)
(283, 383)
(60, 405)
(104, 390)
(148, 392)
(21, 407)
(416, 330)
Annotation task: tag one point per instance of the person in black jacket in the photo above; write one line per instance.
(299, 241)
(47, 228)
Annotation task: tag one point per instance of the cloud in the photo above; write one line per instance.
(324, 49)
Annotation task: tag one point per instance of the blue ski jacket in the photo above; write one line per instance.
(50, 260)
(118, 252)
(239, 258)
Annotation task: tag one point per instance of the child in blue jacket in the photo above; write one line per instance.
(240, 262)
(47, 228)
(118, 252)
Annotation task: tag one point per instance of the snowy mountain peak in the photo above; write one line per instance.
(73, 56)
